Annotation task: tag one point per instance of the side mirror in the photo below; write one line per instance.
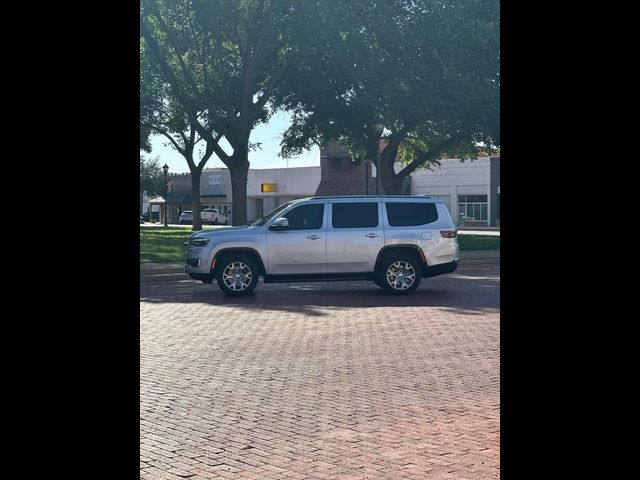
(280, 224)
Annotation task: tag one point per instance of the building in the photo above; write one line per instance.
(271, 187)
(339, 175)
(266, 190)
(471, 189)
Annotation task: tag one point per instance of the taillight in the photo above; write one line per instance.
(449, 233)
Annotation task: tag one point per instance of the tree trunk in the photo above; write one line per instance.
(391, 182)
(239, 174)
(195, 199)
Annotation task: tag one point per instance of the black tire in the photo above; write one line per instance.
(221, 271)
(378, 283)
(409, 268)
(182, 222)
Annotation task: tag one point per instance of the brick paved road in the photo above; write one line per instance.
(321, 381)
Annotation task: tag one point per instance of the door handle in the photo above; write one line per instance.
(372, 235)
(313, 237)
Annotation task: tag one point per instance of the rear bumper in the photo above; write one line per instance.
(440, 269)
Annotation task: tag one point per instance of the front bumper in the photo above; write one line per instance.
(198, 260)
(203, 277)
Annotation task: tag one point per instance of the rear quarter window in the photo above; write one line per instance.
(411, 214)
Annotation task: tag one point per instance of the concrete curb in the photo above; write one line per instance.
(159, 272)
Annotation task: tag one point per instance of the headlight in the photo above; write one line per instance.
(198, 242)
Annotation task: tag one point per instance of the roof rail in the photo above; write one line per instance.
(422, 195)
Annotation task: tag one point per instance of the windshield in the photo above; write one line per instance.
(261, 221)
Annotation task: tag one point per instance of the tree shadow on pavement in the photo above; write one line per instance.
(471, 291)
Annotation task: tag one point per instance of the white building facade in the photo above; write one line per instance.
(266, 188)
(287, 184)
(471, 189)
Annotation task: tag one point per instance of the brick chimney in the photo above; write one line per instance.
(340, 176)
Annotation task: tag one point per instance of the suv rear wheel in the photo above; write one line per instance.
(399, 274)
(237, 275)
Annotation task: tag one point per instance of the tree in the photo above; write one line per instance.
(151, 176)
(161, 113)
(145, 144)
(429, 68)
(221, 61)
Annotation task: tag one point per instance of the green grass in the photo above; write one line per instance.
(478, 242)
(163, 245)
(166, 245)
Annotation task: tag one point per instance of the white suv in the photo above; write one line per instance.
(393, 240)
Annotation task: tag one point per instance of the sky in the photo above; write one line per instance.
(268, 134)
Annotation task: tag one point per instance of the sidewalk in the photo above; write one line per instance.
(158, 272)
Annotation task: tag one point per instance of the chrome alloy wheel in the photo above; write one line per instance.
(401, 275)
(237, 276)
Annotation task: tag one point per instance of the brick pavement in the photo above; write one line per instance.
(321, 380)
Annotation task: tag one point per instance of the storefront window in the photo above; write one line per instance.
(473, 208)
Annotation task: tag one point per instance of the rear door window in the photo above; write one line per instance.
(407, 214)
(354, 215)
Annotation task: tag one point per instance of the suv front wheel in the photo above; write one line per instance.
(237, 275)
(399, 274)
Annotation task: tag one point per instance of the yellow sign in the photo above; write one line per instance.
(268, 187)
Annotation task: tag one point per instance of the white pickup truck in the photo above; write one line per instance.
(209, 216)
(214, 217)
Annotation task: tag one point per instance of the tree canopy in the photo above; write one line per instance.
(219, 62)
(151, 176)
(429, 69)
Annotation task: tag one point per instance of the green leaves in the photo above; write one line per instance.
(429, 68)
(151, 177)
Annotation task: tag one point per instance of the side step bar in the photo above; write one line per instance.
(329, 277)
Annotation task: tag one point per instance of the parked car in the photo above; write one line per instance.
(395, 241)
(212, 216)
(155, 216)
(186, 217)
(209, 216)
